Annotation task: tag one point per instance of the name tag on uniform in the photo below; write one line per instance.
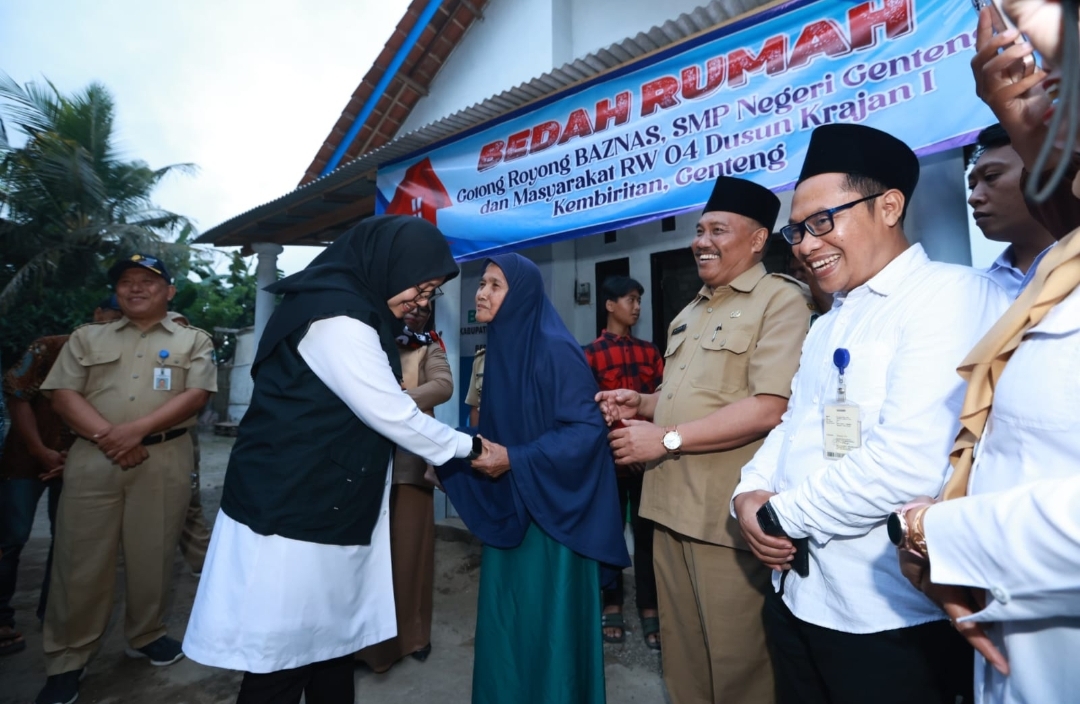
(163, 379)
(843, 430)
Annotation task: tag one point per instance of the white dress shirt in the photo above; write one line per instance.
(1018, 533)
(906, 329)
(1005, 273)
(268, 603)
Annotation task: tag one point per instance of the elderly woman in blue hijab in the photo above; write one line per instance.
(542, 498)
(298, 575)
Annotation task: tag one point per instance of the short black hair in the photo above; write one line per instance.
(992, 137)
(866, 186)
(615, 287)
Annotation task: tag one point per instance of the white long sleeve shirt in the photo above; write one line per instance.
(1017, 535)
(906, 329)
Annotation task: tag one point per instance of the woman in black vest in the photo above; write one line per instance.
(298, 574)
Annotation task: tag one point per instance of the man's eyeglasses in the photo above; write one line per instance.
(820, 223)
(425, 297)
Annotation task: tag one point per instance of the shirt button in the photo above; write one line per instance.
(696, 336)
(143, 335)
(1001, 595)
(683, 367)
(139, 355)
(131, 398)
(384, 513)
(816, 399)
(709, 310)
(134, 376)
(669, 395)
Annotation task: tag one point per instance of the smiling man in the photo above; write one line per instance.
(872, 417)
(130, 389)
(730, 358)
(997, 203)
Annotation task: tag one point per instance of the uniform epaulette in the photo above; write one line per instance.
(93, 322)
(192, 327)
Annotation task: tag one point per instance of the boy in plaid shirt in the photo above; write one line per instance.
(621, 361)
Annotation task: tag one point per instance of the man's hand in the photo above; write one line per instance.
(1041, 22)
(620, 404)
(956, 602)
(776, 552)
(494, 461)
(1020, 105)
(133, 458)
(50, 460)
(638, 441)
(118, 440)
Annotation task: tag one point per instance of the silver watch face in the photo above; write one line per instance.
(672, 440)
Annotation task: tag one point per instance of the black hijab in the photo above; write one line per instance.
(356, 275)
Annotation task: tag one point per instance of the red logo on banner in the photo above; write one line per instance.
(420, 193)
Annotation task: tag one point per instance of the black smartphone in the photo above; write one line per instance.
(770, 525)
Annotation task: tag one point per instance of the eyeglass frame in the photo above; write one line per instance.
(802, 227)
(425, 297)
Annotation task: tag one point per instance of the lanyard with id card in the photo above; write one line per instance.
(162, 374)
(842, 428)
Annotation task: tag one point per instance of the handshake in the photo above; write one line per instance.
(633, 442)
(494, 461)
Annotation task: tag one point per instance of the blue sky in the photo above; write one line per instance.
(245, 89)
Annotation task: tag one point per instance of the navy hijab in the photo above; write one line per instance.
(538, 403)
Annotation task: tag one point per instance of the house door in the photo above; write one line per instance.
(675, 282)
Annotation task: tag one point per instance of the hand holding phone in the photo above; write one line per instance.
(1001, 23)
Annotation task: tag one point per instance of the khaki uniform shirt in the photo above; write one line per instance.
(112, 366)
(476, 383)
(428, 381)
(728, 344)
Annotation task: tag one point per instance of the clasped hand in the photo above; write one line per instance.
(494, 460)
(122, 444)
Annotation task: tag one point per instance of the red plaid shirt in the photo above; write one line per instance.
(625, 363)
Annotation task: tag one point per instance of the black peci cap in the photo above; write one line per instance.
(843, 148)
(743, 197)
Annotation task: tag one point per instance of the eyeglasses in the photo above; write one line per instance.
(427, 296)
(820, 223)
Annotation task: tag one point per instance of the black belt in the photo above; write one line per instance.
(163, 437)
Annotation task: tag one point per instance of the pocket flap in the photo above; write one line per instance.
(736, 341)
(95, 357)
(674, 345)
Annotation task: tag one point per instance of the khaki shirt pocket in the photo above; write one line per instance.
(179, 364)
(101, 368)
(724, 362)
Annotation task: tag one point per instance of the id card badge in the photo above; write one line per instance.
(842, 428)
(163, 379)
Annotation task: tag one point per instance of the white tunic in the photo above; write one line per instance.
(268, 603)
(907, 329)
(1018, 534)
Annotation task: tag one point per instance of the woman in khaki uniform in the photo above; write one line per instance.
(428, 380)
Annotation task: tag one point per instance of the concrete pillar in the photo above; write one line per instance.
(938, 215)
(265, 274)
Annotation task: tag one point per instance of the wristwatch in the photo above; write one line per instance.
(673, 441)
(909, 535)
(477, 448)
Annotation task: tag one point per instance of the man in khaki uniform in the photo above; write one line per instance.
(476, 385)
(130, 390)
(731, 355)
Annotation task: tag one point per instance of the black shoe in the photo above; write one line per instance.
(163, 651)
(423, 653)
(60, 689)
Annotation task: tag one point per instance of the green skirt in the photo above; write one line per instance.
(538, 638)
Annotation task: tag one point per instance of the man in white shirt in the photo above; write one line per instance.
(848, 627)
(997, 203)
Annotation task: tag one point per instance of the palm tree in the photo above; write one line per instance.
(68, 202)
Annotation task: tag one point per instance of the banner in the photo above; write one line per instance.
(650, 138)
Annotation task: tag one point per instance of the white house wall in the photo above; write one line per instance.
(518, 40)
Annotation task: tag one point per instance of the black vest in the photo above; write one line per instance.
(304, 466)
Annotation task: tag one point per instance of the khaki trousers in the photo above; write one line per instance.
(103, 507)
(711, 599)
(195, 537)
(412, 551)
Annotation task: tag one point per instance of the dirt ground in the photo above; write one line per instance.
(632, 670)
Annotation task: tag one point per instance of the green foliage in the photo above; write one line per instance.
(218, 301)
(70, 206)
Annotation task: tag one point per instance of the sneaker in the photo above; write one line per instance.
(60, 689)
(163, 651)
